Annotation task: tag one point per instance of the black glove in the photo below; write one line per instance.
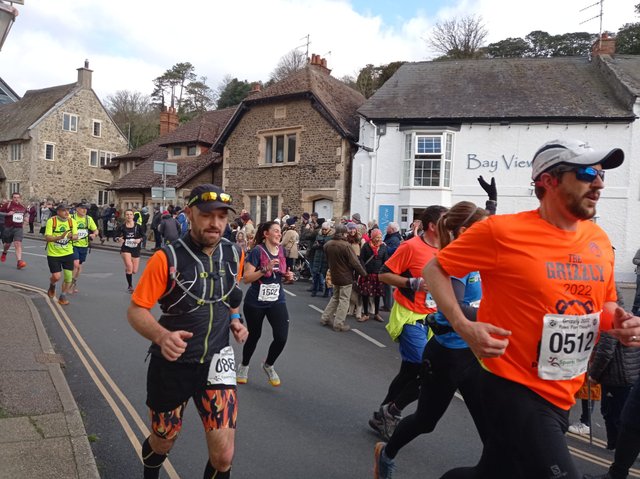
(490, 188)
(235, 297)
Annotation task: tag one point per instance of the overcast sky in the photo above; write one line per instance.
(129, 43)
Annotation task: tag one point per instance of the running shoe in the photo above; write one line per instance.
(341, 328)
(383, 467)
(579, 428)
(3, 258)
(376, 423)
(22, 264)
(242, 375)
(51, 292)
(378, 318)
(389, 421)
(271, 373)
(63, 300)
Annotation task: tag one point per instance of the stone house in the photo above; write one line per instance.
(53, 142)
(434, 127)
(292, 145)
(187, 145)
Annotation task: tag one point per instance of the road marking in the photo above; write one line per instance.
(35, 254)
(62, 318)
(368, 338)
(316, 308)
(289, 292)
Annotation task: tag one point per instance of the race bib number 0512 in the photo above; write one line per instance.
(566, 345)
(223, 368)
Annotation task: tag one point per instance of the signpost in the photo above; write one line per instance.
(164, 168)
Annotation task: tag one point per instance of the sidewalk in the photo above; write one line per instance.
(41, 430)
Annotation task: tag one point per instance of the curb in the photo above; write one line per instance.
(83, 455)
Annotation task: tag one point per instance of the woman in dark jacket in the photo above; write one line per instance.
(373, 255)
(616, 367)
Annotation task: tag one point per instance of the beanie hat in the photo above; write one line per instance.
(245, 217)
(292, 221)
(351, 226)
(306, 216)
(356, 217)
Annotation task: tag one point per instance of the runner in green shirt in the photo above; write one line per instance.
(87, 231)
(59, 232)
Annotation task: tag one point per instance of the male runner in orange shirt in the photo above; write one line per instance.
(548, 286)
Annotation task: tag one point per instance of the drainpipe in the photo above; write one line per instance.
(373, 173)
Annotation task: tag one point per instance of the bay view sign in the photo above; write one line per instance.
(474, 163)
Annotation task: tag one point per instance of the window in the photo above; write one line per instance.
(69, 122)
(14, 187)
(103, 197)
(427, 160)
(191, 150)
(97, 128)
(280, 148)
(49, 151)
(105, 157)
(264, 207)
(16, 151)
(93, 158)
(177, 151)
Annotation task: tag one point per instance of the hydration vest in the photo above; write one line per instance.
(196, 297)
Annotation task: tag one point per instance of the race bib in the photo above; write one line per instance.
(82, 234)
(566, 345)
(18, 217)
(223, 368)
(61, 243)
(429, 302)
(269, 292)
(130, 243)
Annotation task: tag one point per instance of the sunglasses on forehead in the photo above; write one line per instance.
(210, 196)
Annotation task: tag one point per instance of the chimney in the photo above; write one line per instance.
(256, 88)
(84, 76)
(318, 62)
(605, 45)
(168, 120)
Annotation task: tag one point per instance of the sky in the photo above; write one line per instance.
(129, 43)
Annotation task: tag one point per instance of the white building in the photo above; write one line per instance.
(434, 127)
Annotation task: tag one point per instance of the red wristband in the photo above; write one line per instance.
(606, 320)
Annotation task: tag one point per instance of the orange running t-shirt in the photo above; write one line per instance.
(530, 268)
(409, 259)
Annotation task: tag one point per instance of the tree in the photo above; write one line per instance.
(290, 63)
(176, 78)
(199, 97)
(459, 38)
(509, 48)
(232, 91)
(135, 115)
(628, 37)
(371, 78)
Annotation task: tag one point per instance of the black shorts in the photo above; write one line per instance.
(170, 384)
(58, 263)
(134, 252)
(11, 234)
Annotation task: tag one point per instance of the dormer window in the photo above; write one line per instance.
(177, 151)
(191, 150)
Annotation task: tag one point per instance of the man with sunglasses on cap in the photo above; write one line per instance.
(548, 287)
(195, 280)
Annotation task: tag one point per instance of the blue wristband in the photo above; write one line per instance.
(235, 316)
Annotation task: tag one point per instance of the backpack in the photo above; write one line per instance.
(55, 222)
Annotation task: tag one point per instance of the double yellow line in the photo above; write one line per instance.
(98, 374)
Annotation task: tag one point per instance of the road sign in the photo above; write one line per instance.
(164, 193)
(165, 168)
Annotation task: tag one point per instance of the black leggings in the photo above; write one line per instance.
(278, 318)
(443, 371)
(404, 388)
(526, 435)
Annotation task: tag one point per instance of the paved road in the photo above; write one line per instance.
(314, 425)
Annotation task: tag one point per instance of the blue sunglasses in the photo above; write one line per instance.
(588, 174)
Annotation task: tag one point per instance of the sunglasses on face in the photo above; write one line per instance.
(210, 196)
(588, 174)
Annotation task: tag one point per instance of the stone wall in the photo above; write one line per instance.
(69, 176)
(323, 166)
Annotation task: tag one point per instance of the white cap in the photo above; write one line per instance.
(573, 152)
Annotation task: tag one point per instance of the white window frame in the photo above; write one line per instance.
(72, 120)
(53, 151)
(257, 204)
(103, 197)
(435, 163)
(14, 187)
(97, 123)
(106, 157)
(269, 149)
(16, 152)
(94, 159)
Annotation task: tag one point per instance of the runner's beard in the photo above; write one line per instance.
(576, 205)
(204, 238)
